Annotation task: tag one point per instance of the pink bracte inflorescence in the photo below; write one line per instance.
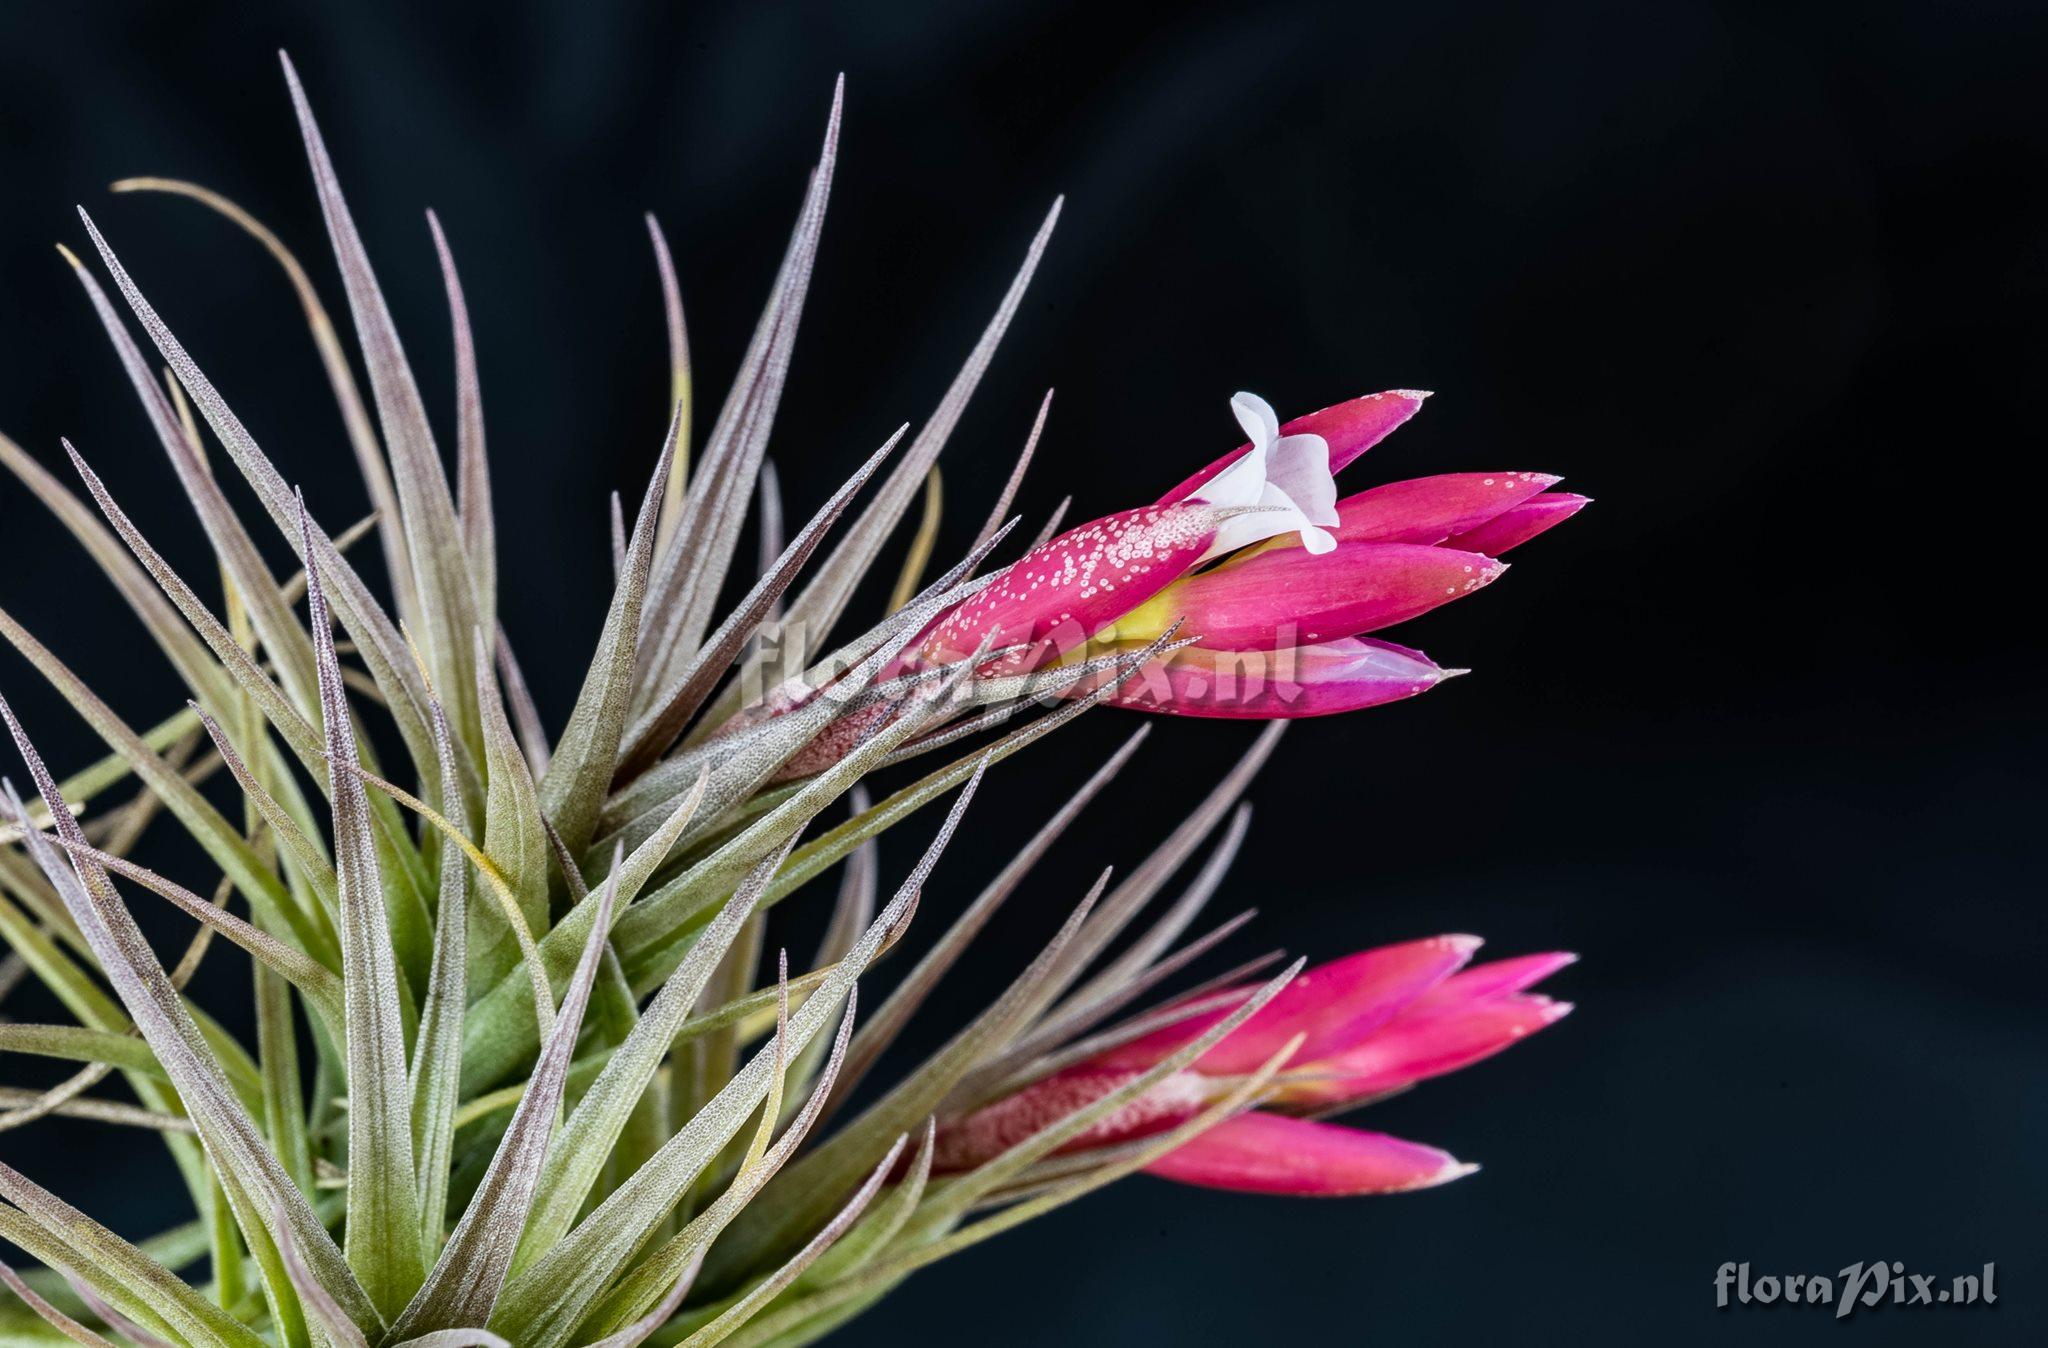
(1370, 1024)
(1275, 579)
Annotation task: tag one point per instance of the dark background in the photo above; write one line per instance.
(1760, 733)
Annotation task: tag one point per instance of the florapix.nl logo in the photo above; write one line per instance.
(1858, 1287)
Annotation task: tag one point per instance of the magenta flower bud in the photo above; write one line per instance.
(1320, 680)
(1432, 509)
(1367, 1025)
(1292, 597)
(1060, 594)
(1512, 528)
(1274, 580)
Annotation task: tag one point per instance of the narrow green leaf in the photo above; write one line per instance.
(578, 1153)
(822, 601)
(185, 653)
(472, 465)
(864, 1286)
(378, 641)
(223, 843)
(383, 1209)
(675, 493)
(514, 832)
(64, 1324)
(919, 555)
(574, 788)
(554, 1293)
(437, 1051)
(653, 732)
(758, 1297)
(314, 981)
(1001, 510)
(433, 534)
(466, 1281)
(277, 1056)
(691, 571)
(333, 359)
(881, 1029)
(59, 1234)
(806, 1194)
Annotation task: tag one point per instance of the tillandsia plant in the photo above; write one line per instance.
(515, 1076)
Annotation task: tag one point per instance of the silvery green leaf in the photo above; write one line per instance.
(1212, 994)
(377, 639)
(255, 1182)
(578, 1152)
(938, 1216)
(464, 1285)
(79, 1043)
(304, 851)
(491, 1040)
(1001, 510)
(533, 740)
(852, 910)
(772, 1286)
(334, 1322)
(690, 572)
(315, 982)
(573, 791)
(673, 706)
(282, 1089)
(822, 601)
(223, 843)
(383, 1207)
(653, 932)
(333, 359)
(113, 1318)
(673, 496)
(184, 651)
(555, 1292)
(857, 1247)
(802, 1197)
(457, 1338)
(71, 1105)
(231, 543)
(249, 678)
(63, 1323)
(436, 1070)
(1052, 524)
(882, 1028)
(65, 1239)
(1137, 889)
(746, 752)
(433, 534)
(1127, 976)
(514, 830)
(760, 1164)
(829, 848)
(472, 464)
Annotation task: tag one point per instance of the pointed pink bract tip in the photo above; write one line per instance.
(1462, 942)
(1456, 1170)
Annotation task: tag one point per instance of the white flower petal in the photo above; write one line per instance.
(1300, 466)
(1255, 414)
(1241, 484)
(1286, 477)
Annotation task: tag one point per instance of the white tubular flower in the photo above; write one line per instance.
(1285, 477)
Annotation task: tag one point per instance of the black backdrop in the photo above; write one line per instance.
(1759, 733)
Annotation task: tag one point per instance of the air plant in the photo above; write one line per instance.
(515, 1077)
